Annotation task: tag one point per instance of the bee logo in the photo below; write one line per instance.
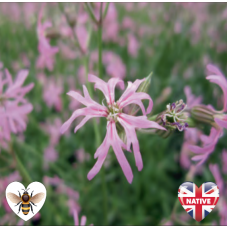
(25, 201)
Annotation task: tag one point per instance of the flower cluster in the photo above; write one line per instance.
(218, 119)
(13, 106)
(114, 114)
(47, 52)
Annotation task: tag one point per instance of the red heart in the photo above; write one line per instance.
(198, 202)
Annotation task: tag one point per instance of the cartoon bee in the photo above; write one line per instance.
(25, 200)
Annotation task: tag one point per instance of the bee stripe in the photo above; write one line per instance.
(25, 205)
(25, 210)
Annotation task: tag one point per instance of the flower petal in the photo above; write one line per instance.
(213, 69)
(108, 89)
(76, 221)
(83, 220)
(140, 121)
(82, 123)
(116, 145)
(101, 158)
(221, 123)
(132, 139)
(220, 80)
(131, 89)
(136, 98)
(201, 158)
(80, 112)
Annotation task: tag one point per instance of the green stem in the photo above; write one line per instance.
(105, 197)
(23, 171)
(100, 51)
(76, 42)
(106, 10)
(104, 187)
(90, 11)
(100, 42)
(98, 142)
(39, 156)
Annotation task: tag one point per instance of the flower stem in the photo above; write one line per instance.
(104, 187)
(98, 142)
(22, 170)
(100, 42)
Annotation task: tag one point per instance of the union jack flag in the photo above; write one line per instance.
(198, 202)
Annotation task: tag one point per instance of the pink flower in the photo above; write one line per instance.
(209, 142)
(133, 45)
(73, 205)
(82, 155)
(177, 27)
(111, 24)
(83, 36)
(191, 135)
(51, 94)
(217, 175)
(14, 116)
(14, 89)
(128, 23)
(61, 188)
(114, 65)
(4, 182)
(52, 130)
(76, 220)
(215, 76)
(113, 113)
(67, 52)
(208, 146)
(50, 155)
(47, 52)
(13, 106)
(191, 99)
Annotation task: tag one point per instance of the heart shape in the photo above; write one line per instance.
(198, 202)
(36, 194)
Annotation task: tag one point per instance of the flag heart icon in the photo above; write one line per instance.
(198, 202)
(25, 202)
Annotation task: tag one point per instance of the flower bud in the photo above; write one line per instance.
(202, 113)
(52, 33)
(175, 116)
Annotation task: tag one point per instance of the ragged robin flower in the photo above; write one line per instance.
(114, 114)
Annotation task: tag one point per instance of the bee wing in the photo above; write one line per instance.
(13, 197)
(37, 198)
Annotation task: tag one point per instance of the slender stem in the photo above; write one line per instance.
(100, 43)
(39, 156)
(86, 65)
(23, 172)
(77, 44)
(177, 204)
(90, 11)
(106, 10)
(104, 187)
